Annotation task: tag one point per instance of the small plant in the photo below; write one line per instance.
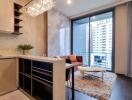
(25, 47)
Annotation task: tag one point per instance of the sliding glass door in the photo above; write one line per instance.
(93, 39)
(81, 40)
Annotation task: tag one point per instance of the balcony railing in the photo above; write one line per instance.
(100, 59)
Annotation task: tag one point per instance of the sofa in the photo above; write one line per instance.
(73, 59)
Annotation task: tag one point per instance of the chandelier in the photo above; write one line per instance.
(37, 7)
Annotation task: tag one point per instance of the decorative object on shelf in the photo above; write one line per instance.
(25, 48)
(37, 7)
(17, 19)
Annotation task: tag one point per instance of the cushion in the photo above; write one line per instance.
(73, 58)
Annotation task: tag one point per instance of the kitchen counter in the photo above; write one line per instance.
(39, 58)
(31, 57)
(7, 56)
(34, 75)
(41, 77)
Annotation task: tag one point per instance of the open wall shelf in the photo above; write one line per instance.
(17, 13)
(17, 33)
(18, 26)
(18, 6)
(17, 19)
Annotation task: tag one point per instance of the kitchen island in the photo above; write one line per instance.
(41, 78)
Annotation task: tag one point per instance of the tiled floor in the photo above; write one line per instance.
(16, 95)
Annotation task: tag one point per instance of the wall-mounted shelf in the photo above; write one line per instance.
(17, 19)
(18, 6)
(17, 13)
(17, 26)
(17, 33)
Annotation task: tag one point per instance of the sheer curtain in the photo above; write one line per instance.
(58, 34)
(129, 67)
(64, 41)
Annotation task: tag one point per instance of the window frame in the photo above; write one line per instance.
(113, 33)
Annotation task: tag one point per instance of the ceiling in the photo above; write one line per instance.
(93, 18)
(80, 6)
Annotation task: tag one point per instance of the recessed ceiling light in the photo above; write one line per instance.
(69, 2)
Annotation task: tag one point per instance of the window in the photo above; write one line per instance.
(93, 39)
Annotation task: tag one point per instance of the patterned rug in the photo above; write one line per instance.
(95, 87)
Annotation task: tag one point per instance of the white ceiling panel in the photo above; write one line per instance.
(80, 6)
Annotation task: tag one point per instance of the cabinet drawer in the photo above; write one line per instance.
(43, 65)
(43, 75)
(41, 80)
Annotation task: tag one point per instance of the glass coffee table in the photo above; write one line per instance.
(86, 69)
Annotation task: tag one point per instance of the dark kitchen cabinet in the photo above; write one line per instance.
(36, 78)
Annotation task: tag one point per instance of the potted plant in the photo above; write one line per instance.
(25, 48)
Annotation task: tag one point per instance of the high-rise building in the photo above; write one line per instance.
(101, 42)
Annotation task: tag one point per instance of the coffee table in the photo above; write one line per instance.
(85, 69)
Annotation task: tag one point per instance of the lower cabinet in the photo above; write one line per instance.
(41, 91)
(36, 79)
(8, 75)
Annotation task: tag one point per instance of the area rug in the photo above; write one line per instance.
(95, 87)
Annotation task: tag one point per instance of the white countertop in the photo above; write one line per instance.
(8, 56)
(31, 57)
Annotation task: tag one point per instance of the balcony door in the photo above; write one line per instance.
(92, 38)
